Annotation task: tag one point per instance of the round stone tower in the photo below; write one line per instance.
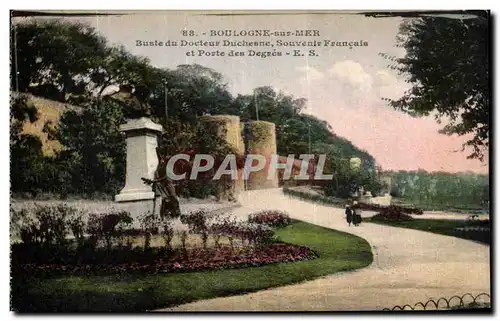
(228, 128)
(261, 136)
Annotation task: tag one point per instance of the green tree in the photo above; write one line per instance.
(193, 91)
(52, 59)
(465, 190)
(94, 149)
(447, 63)
(292, 125)
(72, 62)
(25, 150)
(30, 171)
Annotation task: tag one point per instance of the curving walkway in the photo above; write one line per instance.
(409, 266)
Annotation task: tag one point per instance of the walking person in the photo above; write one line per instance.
(348, 214)
(356, 214)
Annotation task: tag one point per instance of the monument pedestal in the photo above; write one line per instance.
(142, 140)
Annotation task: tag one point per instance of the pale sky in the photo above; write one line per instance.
(343, 86)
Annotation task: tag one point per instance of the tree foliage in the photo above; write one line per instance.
(447, 63)
(53, 59)
(72, 63)
(30, 171)
(25, 149)
(94, 149)
(466, 190)
(200, 138)
(293, 126)
(347, 181)
(194, 91)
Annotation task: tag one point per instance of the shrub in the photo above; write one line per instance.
(30, 232)
(53, 223)
(217, 231)
(222, 227)
(183, 235)
(23, 223)
(392, 213)
(377, 207)
(44, 232)
(197, 222)
(149, 225)
(478, 222)
(45, 225)
(112, 224)
(229, 228)
(270, 218)
(107, 227)
(18, 220)
(261, 234)
(167, 232)
(94, 231)
(250, 233)
(253, 234)
(77, 226)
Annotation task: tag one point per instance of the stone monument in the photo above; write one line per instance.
(142, 140)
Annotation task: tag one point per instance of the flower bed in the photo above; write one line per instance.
(270, 218)
(107, 243)
(193, 260)
(392, 213)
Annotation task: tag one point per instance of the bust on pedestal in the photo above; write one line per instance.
(142, 161)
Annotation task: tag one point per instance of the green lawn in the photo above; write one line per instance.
(445, 227)
(337, 251)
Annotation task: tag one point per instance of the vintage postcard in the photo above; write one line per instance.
(250, 161)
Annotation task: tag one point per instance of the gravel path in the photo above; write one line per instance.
(140, 207)
(409, 266)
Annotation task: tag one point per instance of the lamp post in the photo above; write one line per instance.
(309, 138)
(15, 58)
(309, 143)
(256, 106)
(166, 104)
(246, 139)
